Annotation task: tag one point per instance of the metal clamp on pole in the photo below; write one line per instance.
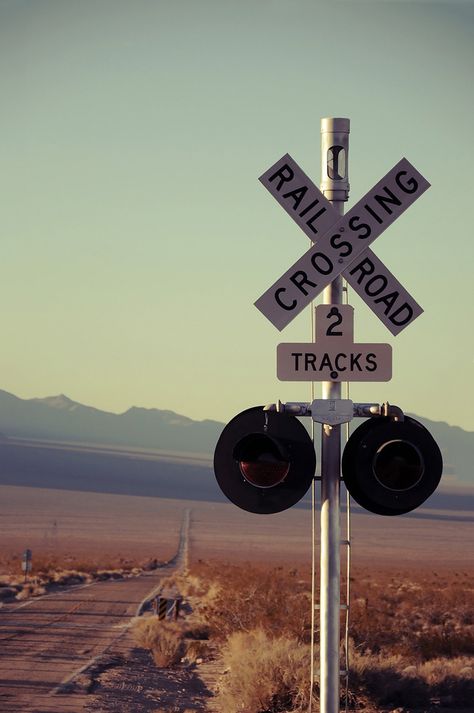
(332, 411)
(293, 408)
(363, 410)
(393, 412)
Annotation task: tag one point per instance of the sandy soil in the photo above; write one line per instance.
(71, 526)
(223, 531)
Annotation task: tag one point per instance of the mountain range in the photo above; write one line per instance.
(58, 418)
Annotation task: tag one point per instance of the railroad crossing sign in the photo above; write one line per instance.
(341, 244)
(334, 356)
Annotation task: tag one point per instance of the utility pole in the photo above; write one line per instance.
(335, 186)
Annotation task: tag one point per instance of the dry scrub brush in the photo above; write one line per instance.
(243, 598)
(265, 673)
(412, 637)
(391, 680)
(422, 619)
(169, 642)
(164, 639)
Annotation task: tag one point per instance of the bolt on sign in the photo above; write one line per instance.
(341, 244)
(334, 356)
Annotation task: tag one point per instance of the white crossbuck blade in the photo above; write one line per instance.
(341, 244)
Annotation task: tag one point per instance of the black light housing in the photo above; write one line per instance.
(391, 467)
(264, 461)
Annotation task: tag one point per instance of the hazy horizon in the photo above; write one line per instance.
(160, 408)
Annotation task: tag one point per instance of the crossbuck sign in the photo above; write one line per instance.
(341, 244)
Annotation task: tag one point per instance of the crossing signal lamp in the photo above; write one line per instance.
(391, 467)
(264, 461)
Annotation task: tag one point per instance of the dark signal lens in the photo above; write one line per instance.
(266, 472)
(398, 465)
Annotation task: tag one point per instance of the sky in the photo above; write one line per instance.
(136, 236)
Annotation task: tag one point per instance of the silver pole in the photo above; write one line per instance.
(335, 186)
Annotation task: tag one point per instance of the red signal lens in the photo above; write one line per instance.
(266, 472)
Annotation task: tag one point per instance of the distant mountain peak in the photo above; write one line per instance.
(59, 418)
(61, 401)
(171, 417)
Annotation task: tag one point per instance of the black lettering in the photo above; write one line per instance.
(363, 226)
(410, 186)
(389, 300)
(336, 362)
(319, 268)
(282, 304)
(299, 279)
(281, 175)
(334, 312)
(371, 362)
(366, 267)
(308, 208)
(373, 213)
(298, 194)
(309, 222)
(385, 201)
(408, 314)
(297, 355)
(377, 290)
(309, 360)
(325, 362)
(333, 241)
(355, 361)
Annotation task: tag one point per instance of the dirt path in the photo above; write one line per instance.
(53, 648)
(130, 682)
(133, 684)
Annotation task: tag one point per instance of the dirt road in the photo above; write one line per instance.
(52, 647)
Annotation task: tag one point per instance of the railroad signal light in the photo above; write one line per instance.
(391, 467)
(264, 461)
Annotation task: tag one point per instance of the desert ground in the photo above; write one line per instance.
(73, 527)
(225, 547)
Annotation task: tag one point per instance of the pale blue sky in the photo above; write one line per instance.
(135, 234)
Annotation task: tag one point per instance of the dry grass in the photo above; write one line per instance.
(390, 680)
(265, 673)
(164, 639)
(47, 564)
(30, 590)
(422, 618)
(412, 642)
(240, 599)
(47, 575)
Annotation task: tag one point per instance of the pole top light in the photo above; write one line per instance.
(335, 158)
(333, 125)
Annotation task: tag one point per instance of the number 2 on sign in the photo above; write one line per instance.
(336, 316)
(334, 321)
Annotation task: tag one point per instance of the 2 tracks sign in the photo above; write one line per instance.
(334, 356)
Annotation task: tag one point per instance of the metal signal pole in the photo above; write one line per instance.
(335, 186)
